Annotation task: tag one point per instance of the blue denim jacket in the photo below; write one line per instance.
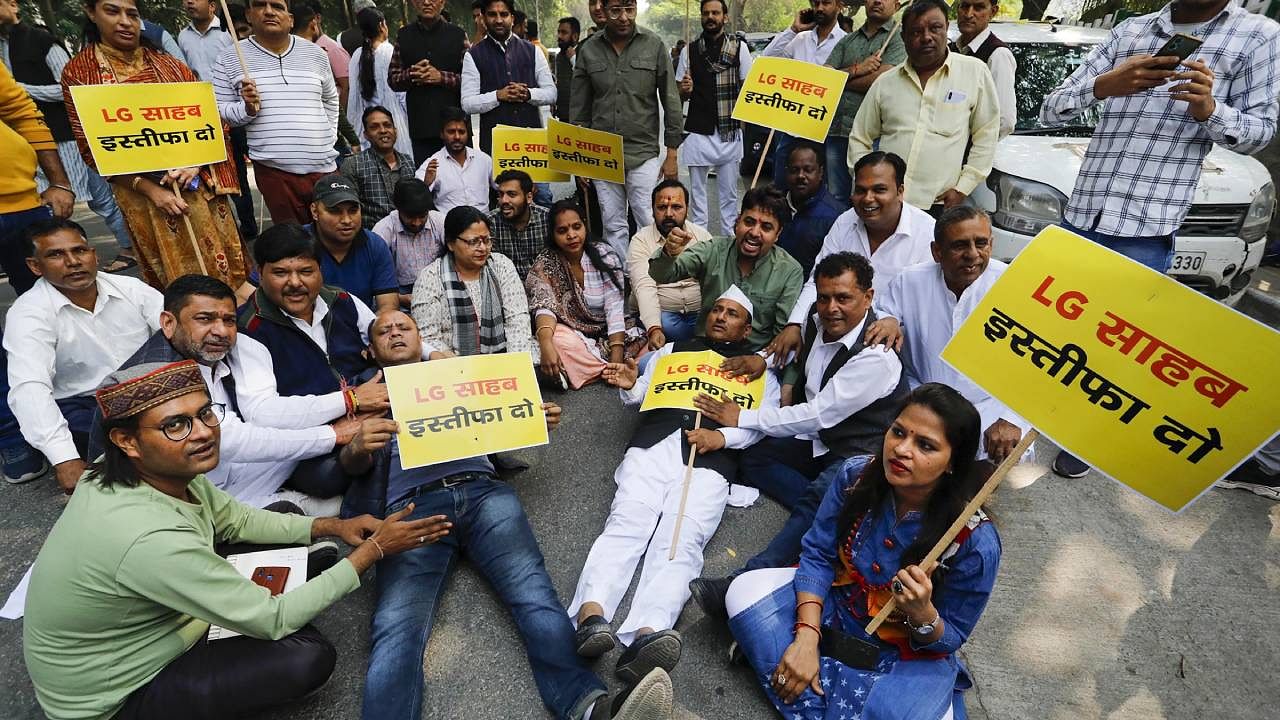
(969, 581)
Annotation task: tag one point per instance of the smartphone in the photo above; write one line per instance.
(843, 648)
(806, 16)
(271, 578)
(1181, 45)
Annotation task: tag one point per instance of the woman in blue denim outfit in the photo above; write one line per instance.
(879, 518)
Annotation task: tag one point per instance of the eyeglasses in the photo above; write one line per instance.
(617, 12)
(476, 242)
(178, 428)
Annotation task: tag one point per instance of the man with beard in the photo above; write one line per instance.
(711, 70)
(427, 67)
(669, 312)
(567, 34)
(951, 155)
(623, 83)
(518, 227)
(351, 257)
(923, 307)
(815, 210)
(457, 173)
(649, 500)
(376, 171)
(973, 18)
(414, 233)
(504, 77)
(199, 323)
(770, 278)
(866, 54)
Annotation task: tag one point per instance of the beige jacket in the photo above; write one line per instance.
(651, 298)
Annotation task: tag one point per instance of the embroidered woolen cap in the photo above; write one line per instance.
(736, 295)
(132, 390)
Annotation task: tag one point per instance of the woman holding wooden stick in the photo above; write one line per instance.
(181, 220)
(802, 629)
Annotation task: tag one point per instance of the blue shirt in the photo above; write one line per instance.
(802, 237)
(366, 271)
(401, 482)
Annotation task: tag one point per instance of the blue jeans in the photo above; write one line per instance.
(679, 326)
(13, 258)
(785, 470)
(491, 530)
(1154, 251)
(839, 182)
(78, 411)
(542, 195)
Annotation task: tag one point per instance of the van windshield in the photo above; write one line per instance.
(1041, 69)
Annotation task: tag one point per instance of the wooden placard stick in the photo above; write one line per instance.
(191, 231)
(235, 39)
(684, 492)
(950, 535)
(764, 153)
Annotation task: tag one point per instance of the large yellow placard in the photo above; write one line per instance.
(585, 152)
(1148, 381)
(465, 406)
(796, 97)
(150, 127)
(678, 378)
(524, 149)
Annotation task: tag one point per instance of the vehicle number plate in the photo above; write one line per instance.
(1187, 262)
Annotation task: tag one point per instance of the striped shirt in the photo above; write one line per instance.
(1140, 173)
(297, 125)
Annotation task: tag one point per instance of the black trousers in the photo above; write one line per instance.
(424, 148)
(235, 677)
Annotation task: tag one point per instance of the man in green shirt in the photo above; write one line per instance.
(769, 276)
(620, 78)
(866, 54)
(127, 583)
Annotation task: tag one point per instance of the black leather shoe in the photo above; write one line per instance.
(709, 594)
(655, 650)
(594, 637)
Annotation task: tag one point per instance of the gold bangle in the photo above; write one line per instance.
(617, 343)
(381, 554)
(544, 327)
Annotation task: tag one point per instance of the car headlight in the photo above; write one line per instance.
(1258, 218)
(1025, 206)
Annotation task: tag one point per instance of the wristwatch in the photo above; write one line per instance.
(925, 629)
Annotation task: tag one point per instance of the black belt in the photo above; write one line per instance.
(448, 481)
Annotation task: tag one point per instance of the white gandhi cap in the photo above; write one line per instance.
(736, 295)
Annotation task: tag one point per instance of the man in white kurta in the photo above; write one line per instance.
(646, 504)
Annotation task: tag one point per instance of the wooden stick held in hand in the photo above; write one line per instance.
(684, 492)
(235, 39)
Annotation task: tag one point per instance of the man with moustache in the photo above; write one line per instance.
(567, 33)
(866, 53)
(457, 173)
(427, 67)
(351, 257)
(925, 305)
(711, 70)
(377, 170)
(505, 80)
(881, 227)
(973, 18)
(814, 209)
(951, 155)
(669, 312)
(770, 278)
(622, 77)
(846, 391)
(518, 227)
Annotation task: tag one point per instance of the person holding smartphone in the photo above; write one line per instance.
(1167, 103)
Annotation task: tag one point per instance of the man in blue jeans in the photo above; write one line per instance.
(1162, 116)
(488, 527)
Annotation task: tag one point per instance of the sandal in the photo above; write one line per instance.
(120, 263)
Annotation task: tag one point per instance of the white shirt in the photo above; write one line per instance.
(908, 245)
(315, 329)
(865, 378)
(475, 102)
(260, 401)
(58, 350)
(465, 184)
(930, 314)
(1004, 68)
(804, 45)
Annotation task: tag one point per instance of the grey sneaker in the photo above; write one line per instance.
(650, 699)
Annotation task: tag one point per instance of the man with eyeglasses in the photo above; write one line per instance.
(621, 78)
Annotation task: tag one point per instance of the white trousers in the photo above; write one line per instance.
(614, 199)
(643, 516)
(726, 188)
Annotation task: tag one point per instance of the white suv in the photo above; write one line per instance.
(1219, 245)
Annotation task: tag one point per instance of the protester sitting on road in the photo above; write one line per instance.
(649, 501)
(878, 519)
(457, 173)
(414, 233)
(577, 295)
(815, 209)
(484, 521)
(838, 396)
(669, 312)
(128, 582)
(769, 277)
(379, 167)
(925, 305)
(518, 224)
(64, 336)
(369, 86)
(351, 257)
(470, 301)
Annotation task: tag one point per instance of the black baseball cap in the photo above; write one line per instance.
(334, 189)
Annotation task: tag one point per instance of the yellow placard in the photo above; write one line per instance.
(586, 153)
(1150, 382)
(793, 96)
(150, 127)
(516, 148)
(465, 406)
(678, 378)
